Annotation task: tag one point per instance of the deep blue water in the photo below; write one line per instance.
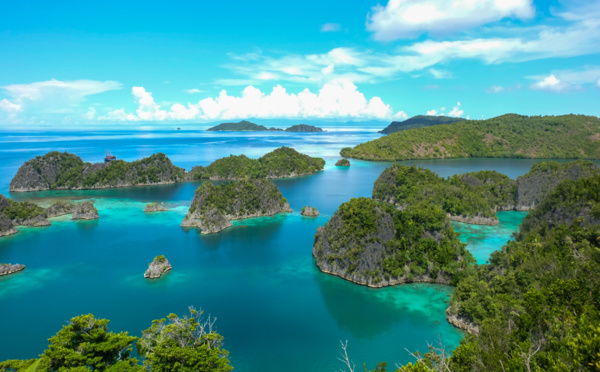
(274, 308)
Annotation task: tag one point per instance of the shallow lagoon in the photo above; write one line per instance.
(275, 309)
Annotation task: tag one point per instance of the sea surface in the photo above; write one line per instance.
(276, 310)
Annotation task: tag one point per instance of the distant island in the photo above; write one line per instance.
(418, 121)
(374, 244)
(475, 197)
(65, 171)
(213, 207)
(279, 163)
(506, 136)
(246, 126)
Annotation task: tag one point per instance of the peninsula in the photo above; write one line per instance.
(65, 171)
(279, 163)
(213, 207)
(506, 136)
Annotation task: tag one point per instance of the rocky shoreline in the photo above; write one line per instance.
(475, 220)
(155, 207)
(6, 269)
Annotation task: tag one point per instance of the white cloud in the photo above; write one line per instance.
(566, 80)
(549, 83)
(401, 19)
(439, 74)
(331, 27)
(52, 96)
(432, 113)
(401, 115)
(495, 89)
(90, 114)
(193, 91)
(336, 99)
(456, 111)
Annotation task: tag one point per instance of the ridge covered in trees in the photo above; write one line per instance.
(418, 121)
(506, 136)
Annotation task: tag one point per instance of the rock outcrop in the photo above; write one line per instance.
(7, 227)
(309, 211)
(60, 209)
(64, 171)
(6, 269)
(343, 163)
(155, 207)
(157, 267)
(474, 220)
(213, 207)
(85, 211)
(375, 244)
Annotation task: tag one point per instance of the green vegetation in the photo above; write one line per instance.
(418, 121)
(159, 259)
(371, 242)
(303, 128)
(476, 194)
(343, 163)
(22, 210)
(177, 344)
(243, 125)
(282, 162)
(507, 136)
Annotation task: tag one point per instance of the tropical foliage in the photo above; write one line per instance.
(418, 121)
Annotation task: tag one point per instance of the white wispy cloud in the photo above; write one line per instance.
(193, 91)
(495, 89)
(566, 80)
(338, 99)
(401, 19)
(52, 96)
(331, 27)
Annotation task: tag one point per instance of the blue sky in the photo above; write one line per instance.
(78, 63)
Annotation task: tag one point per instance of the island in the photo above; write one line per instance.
(343, 163)
(213, 207)
(157, 267)
(85, 211)
(304, 128)
(375, 244)
(155, 207)
(65, 171)
(475, 197)
(279, 163)
(242, 126)
(246, 126)
(418, 121)
(506, 136)
(6, 269)
(309, 211)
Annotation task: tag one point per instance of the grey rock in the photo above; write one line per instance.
(309, 211)
(60, 209)
(157, 267)
(155, 207)
(85, 211)
(6, 269)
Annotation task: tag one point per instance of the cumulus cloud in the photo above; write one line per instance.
(90, 114)
(336, 99)
(401, 19)
(52, 96)
(432, 112)
(456, 111)
(549, 83)
(566, 80)
(331, 27)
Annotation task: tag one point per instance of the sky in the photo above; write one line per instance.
(73, 64)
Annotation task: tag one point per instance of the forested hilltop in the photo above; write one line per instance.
(506, 136)
(279, 163)
(62, 170)
(418, 121)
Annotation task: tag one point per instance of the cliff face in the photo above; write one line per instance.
(85, 211)
(309, 211)
(213, 207)
(545, 176)
(56, 170)
(60, 209)
(374, 244)
(157, 267)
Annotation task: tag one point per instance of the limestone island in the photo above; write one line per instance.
(246, 126)
(304, 128)
(375, 244)
(419, 121)
(157, 267)
(343, 163)
(213, 207)
(155, 207)
(14, 213)
(65, 171)
(279, 163)
(475, 197)
(309, 211)
(506, 136)
(6, 269)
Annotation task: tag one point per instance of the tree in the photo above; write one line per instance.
(186, 343)
(85, 344)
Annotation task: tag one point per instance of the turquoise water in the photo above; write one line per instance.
(274, 308)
